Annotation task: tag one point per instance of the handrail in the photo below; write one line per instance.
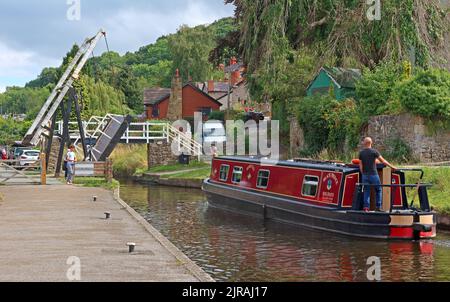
(428, 185)
(141, 131)
(413, 170)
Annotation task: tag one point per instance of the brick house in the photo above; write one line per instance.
(179, 102)
(234, 83)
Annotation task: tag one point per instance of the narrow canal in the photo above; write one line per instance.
(231, 247)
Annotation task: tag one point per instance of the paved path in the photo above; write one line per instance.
(42, 226)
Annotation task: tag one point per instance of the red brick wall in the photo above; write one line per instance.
(193, 100)
(163, 108)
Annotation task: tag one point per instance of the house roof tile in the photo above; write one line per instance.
(153, 96)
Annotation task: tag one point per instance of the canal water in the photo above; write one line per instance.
(232, 247)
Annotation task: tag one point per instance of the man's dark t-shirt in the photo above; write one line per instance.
(368, 157)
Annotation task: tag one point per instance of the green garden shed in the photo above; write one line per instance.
(342, 80)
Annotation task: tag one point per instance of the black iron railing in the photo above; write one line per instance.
(421, 190)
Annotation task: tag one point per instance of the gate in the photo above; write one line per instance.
(12, 173)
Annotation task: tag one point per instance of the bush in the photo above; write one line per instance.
(376, 91)
(127, 159)
(311, 114)
(398, 151)
(344, 125)
(11, 130)
(427, 94)
(217, 115)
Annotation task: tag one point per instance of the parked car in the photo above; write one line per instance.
(252, 115)
(28, 157)
(17, 152)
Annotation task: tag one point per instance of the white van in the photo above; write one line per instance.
(214, 132)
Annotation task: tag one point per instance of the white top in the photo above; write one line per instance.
(71, 156)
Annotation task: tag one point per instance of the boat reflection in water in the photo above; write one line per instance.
(234, 247)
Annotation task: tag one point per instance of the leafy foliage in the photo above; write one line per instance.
(340, 32)
(11, 130)
(328, 124)
(99, 98)
(427, 94)
(398, 150)
(312, 112)
(190, 49)
(17, 100)
(114, 83)
(376, 90)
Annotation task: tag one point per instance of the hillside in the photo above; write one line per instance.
(114, 83)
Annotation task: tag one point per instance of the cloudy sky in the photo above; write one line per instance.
(35, 34)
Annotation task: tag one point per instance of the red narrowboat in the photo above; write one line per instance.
(320, 195)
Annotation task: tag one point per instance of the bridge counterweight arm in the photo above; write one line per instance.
(72, 72)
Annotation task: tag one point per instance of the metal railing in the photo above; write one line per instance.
(141, 132)
(394, 187)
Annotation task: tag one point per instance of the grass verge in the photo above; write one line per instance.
(439, 194)
(179, 167)
(128, 159)
(198, 174)
(96, 182)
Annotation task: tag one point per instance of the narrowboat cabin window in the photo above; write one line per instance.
(310, 186)
(263, 179)
(237, 175)
(224, 170)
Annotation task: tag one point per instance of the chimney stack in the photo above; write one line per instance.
(235, 75)
(175, 111)
(211, 86)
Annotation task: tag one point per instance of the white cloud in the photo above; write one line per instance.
(41, 34)
(17, 66)
(2, 89)
(132, 28)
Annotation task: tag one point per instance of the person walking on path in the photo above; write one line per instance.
(71, 160)
(368, 166)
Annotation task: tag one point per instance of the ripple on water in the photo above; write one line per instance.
(232, 247)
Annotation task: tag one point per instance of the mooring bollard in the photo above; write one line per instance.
(94, 198)
(108, 215)
(131, 246)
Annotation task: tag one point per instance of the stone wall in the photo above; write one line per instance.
(426, 147)
(160, 153)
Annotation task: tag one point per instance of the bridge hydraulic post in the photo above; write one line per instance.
(48, 148)
(74, 96)
(66, 136)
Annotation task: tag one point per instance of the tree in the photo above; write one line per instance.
(129, 86)
(99, 98)
(190, 49)
(427, 94)
(49, 75)
(376, 90)
(338, 30)
(16, 100)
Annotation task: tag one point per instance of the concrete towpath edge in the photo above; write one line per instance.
(188, 264)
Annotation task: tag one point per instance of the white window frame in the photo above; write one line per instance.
(257, 179)
(220, 172)
(234, 172)
(304, 182)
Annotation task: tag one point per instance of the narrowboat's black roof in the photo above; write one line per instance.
(328, 166)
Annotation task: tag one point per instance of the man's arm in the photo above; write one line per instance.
(381, 159)
(361, 167)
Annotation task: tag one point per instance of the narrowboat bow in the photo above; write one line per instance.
(320, 195)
